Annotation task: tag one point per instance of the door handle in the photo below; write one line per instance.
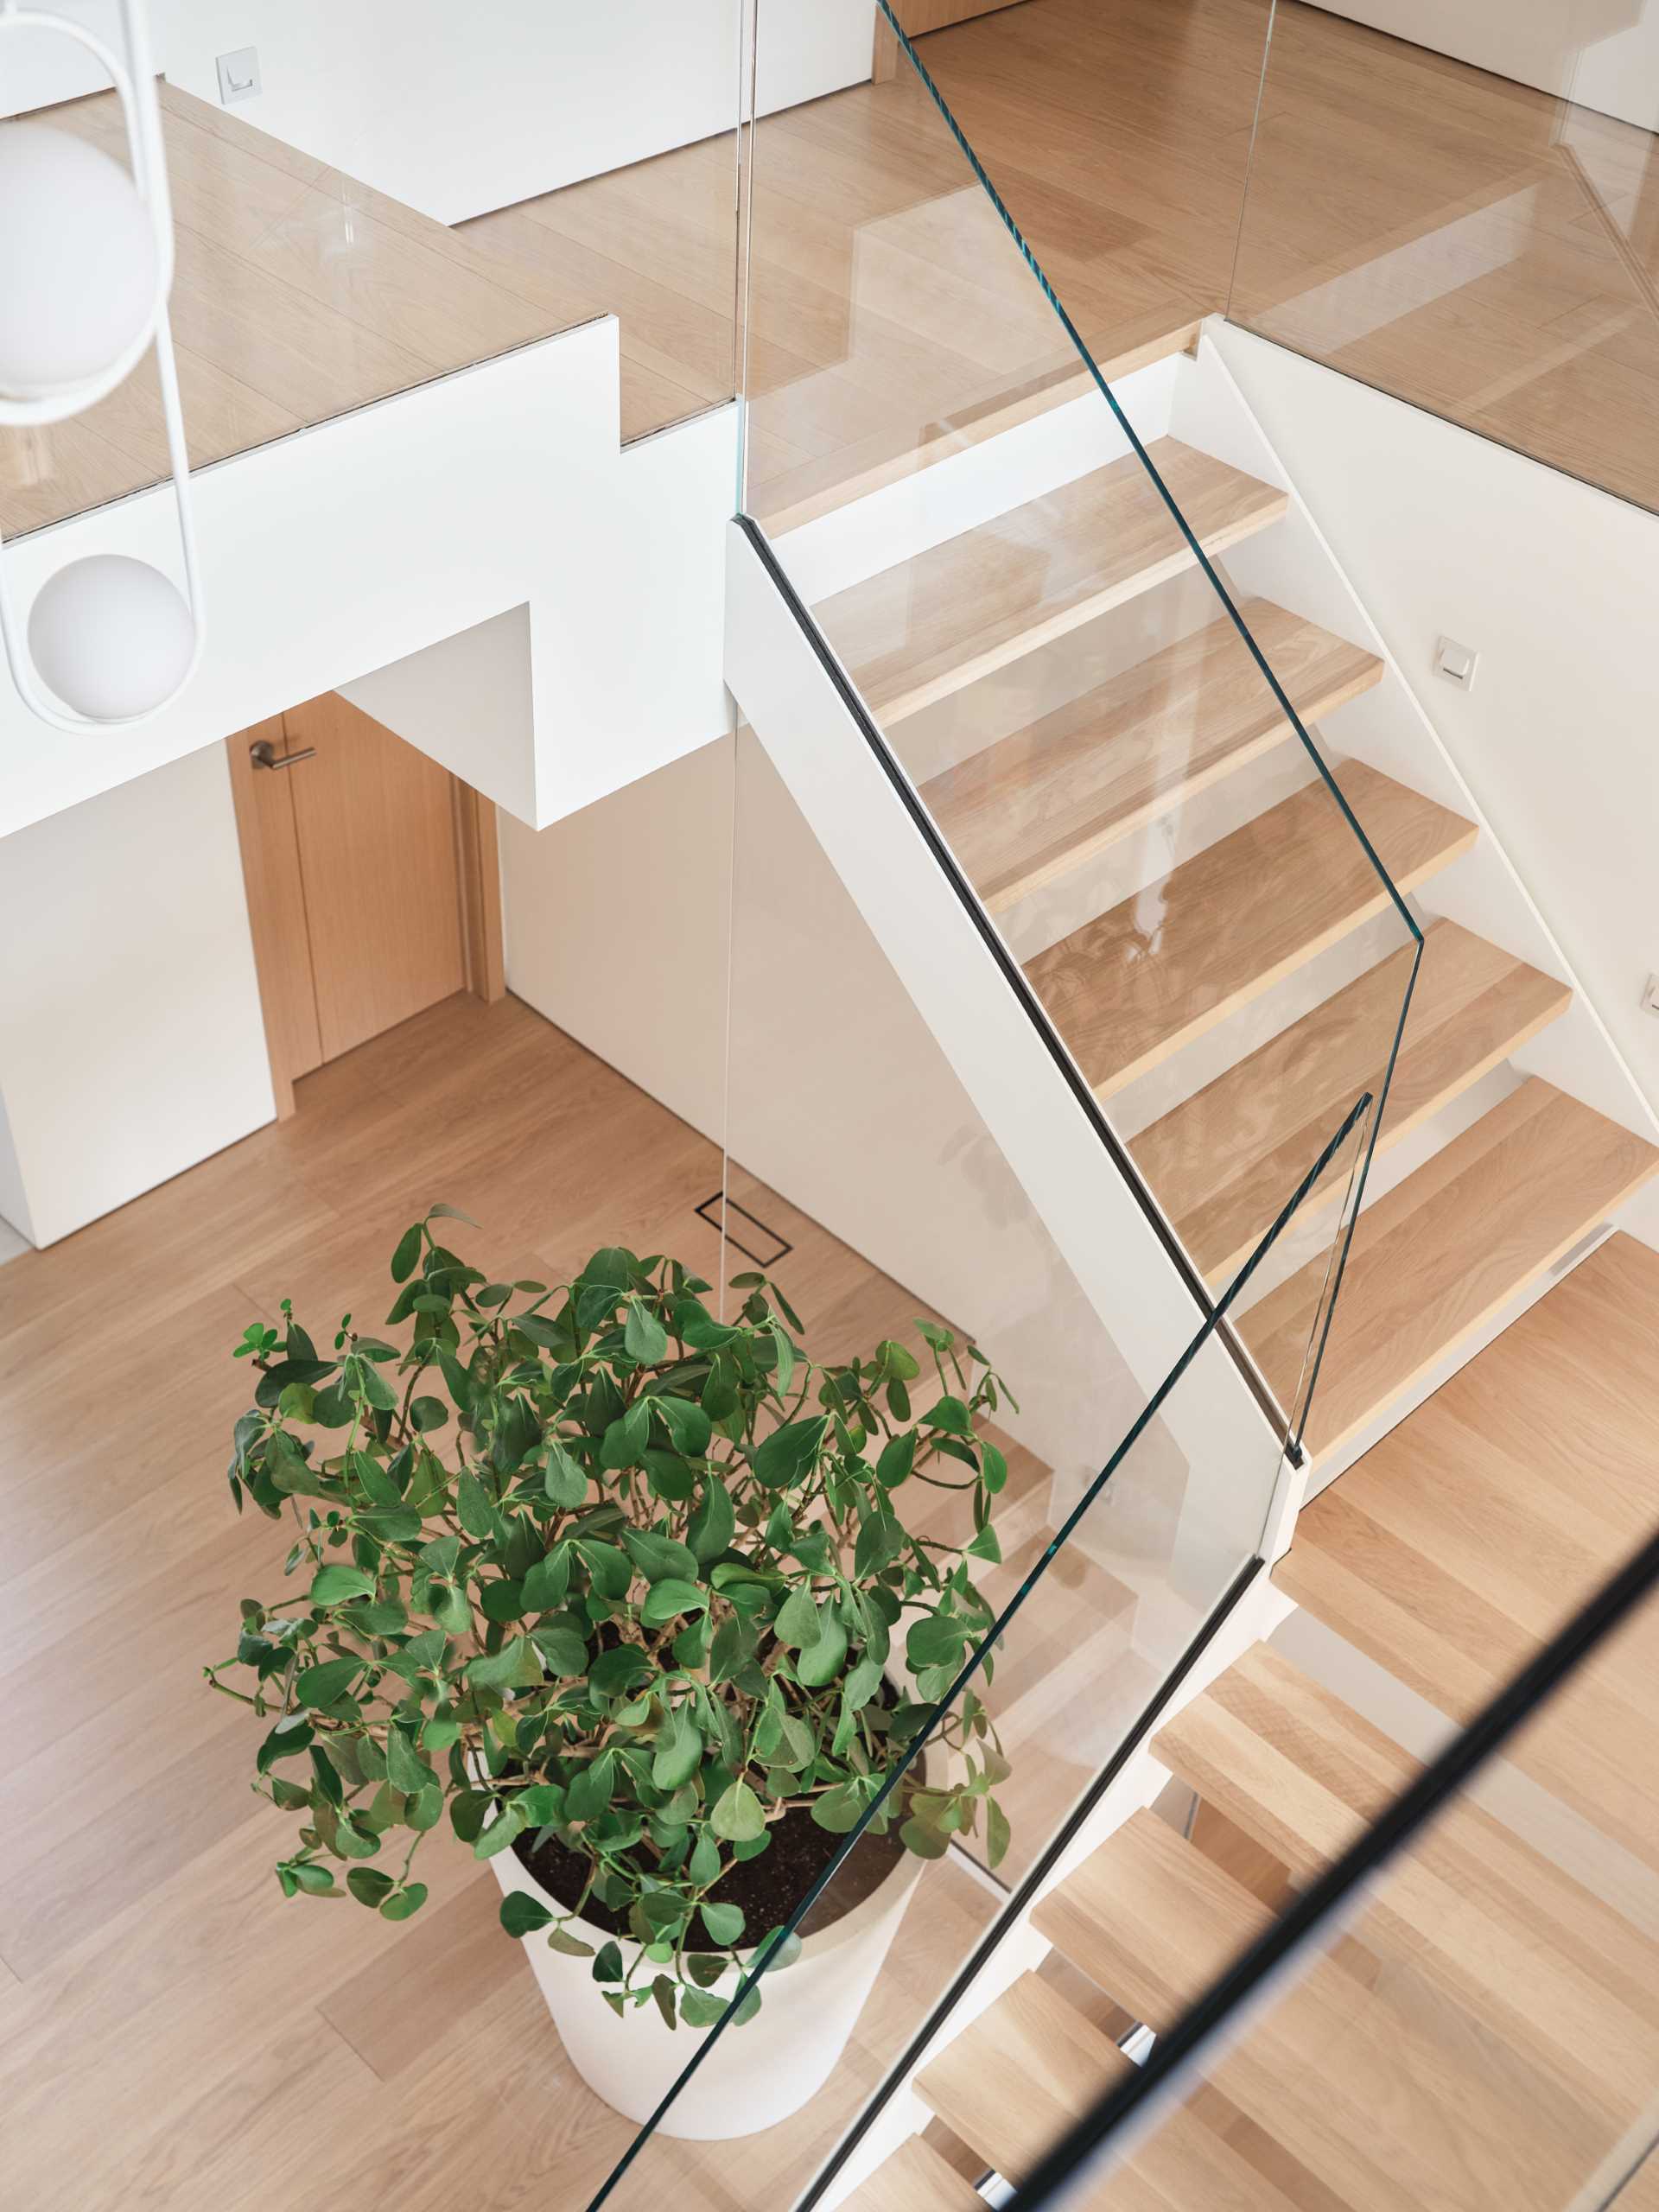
(263, 754)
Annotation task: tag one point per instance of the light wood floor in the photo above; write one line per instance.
(1473, 245)
(171, 2032)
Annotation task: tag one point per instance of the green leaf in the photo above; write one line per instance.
(499, 1670)
(723, 1921)
(926, 1842)
(799, 1622)
(714, 1524)
(398, 1524)
(996, 1832)
(687, 1423)
(323, 1684)
(292, 1734)
(822, 1662)
(589, 1794)
(898, 1456)
(450, 1609)
(608, 1966)
(369, 1885)
(472, 1506)
(738, 1814)
(949, 1414)
(404, 1903)
(334, 1585)
(699, 2010)
(994, 1468)
(500, 1833)
(406, 1770)
(985, 1545)
(679, 1752)
(524, 1915)
(670, 1598)
(407, 1255)
(788, 1454)
(644, 1337)
(937, 1641)
(544, 1587)
(614, 1672)
(316, 1881)
(656, 1556)
(566, 1485)
(561, 1939)
(427, 1413)
(609, 1568)
(562, 1647)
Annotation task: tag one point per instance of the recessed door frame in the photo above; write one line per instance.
(271, 870)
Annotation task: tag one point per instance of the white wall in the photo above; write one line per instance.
(1602, 53)
(616, 922)
(131, 1040)
(457, 110)
(332, 553)
(40, 68)
(1556, 585)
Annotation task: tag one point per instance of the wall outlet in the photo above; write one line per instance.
(1456, 663)
(239, 76)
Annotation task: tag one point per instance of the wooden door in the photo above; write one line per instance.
(371, 876)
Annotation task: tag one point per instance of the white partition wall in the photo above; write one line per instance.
(130, 1039)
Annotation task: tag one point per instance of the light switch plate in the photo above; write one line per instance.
(239, 76)
(1456, 663)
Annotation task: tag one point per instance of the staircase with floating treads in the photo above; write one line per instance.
(1209, 919)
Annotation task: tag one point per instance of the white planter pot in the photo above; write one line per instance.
(756, 2074)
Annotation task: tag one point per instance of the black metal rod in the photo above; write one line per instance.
(1255, 1973)
(1014, 977)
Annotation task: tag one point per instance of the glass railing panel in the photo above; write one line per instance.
(1102, 1571)
(1459, 2010)
(1056, 619)
(351, 221)
(1480, 239)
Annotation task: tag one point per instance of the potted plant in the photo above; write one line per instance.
(629, 1595)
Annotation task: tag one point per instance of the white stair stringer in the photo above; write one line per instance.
(1390, 728)
(1213, 1424)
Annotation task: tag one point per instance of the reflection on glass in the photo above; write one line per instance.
(1473, 229)
(1098, 1588)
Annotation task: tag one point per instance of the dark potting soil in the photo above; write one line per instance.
(768, 1887)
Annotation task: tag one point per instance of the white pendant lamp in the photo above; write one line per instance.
(86, 268)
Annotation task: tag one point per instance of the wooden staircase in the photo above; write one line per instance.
(1048, 810)
(1488, 2028)
(1484, 2031)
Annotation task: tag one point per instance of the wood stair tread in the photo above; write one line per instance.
(1464, 1540)
(987, 596)
(1514, 1940)
(1030, 2065)
(1224, 1161)
(915, 2178)
(1023, 811)
(1136, 983)
(1154, 1922)
(1446, 1250)
(1150, 1920)
(818, 487)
